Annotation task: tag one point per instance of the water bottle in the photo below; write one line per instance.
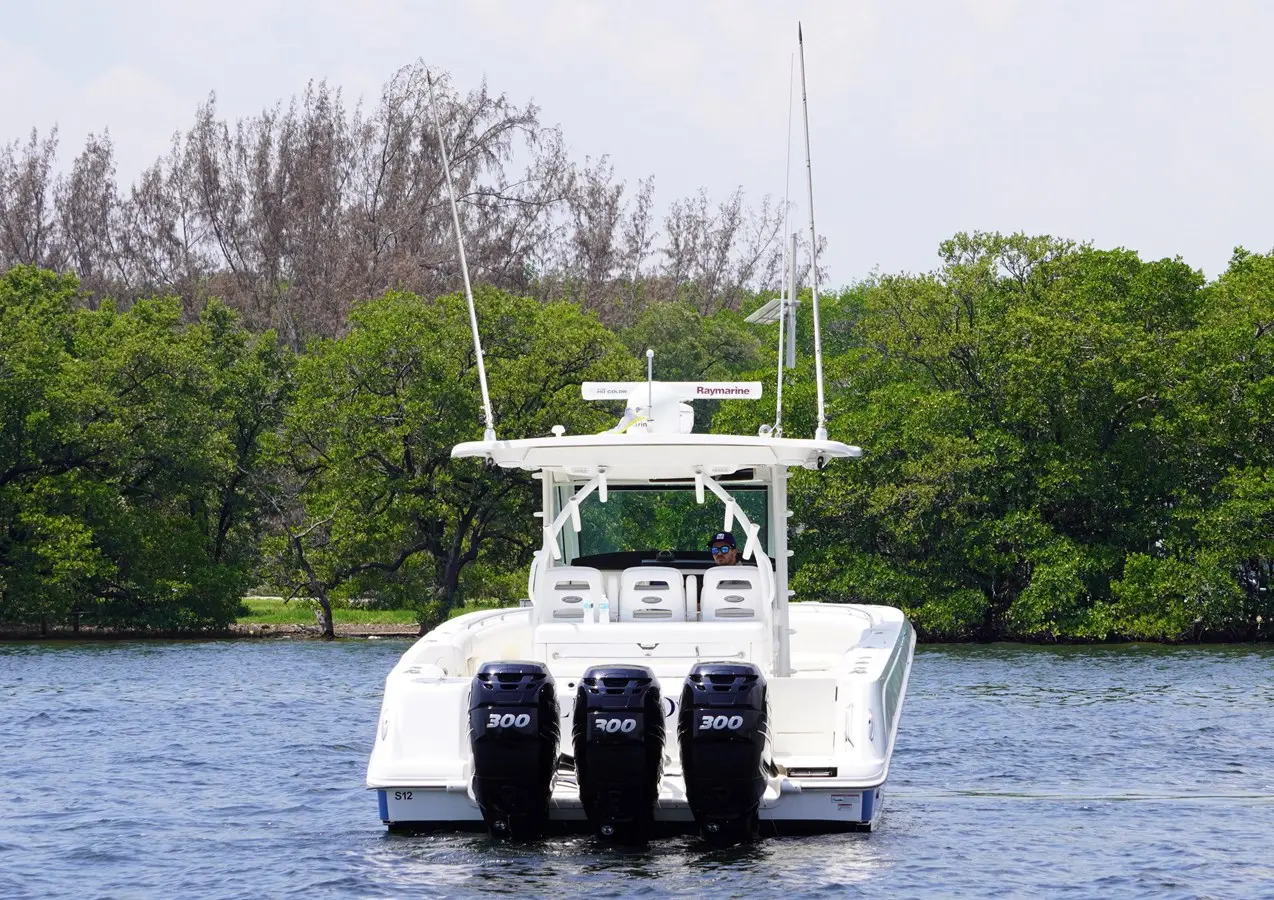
(603, 610)
(589, 615)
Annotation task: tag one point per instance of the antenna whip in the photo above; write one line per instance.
(821, 432)
(488, 433)
(784, 300)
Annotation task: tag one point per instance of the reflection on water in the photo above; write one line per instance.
(460, 864)
(235, 769)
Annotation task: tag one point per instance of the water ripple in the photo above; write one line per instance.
(227, 769)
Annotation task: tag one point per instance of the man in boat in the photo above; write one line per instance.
(724, 550)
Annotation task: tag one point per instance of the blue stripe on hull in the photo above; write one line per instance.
(869, 803)
(383, 797)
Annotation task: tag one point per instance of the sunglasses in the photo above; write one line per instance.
(718, 551)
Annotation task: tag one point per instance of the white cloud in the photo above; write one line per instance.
(994, 15)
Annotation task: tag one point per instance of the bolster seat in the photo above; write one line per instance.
(652, 593)
(566, 590)
(732, 594)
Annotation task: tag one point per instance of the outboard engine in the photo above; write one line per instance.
(513, 728)
(619, 743)
(722, 730)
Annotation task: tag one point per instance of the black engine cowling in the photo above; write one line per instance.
(513, 729)
(722, 728)
(619, 742)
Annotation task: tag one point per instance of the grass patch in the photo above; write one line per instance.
(274, 611)
(476, 605)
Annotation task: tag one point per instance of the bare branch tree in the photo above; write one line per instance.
(164, 241)
(89, 216)
(714, 255)
(27, 222)
(293, 214)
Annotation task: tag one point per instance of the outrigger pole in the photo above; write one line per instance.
(488, 433)
(821, 432)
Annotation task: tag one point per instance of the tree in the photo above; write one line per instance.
(88, 220)
(1024, 412)
(293, 214)
(28, 234)
(128, 443)
(386, 511)
(1217, 562)
(47, 554)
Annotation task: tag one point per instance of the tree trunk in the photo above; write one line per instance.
(317, 588)
(324, 616)
(443, 597)
(448, 589)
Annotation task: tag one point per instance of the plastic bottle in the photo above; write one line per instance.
(603, 609)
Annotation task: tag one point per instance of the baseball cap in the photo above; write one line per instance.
(723, 536)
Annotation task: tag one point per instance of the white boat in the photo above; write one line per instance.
(646, 684)
(644, 687)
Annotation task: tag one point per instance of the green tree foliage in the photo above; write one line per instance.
(128, 444)
(692, 347)
(1220, 551)
(384, 509)
(1060, 442)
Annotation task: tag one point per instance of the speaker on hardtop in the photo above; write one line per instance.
(722, 730)
(618, 736)
(513, 728)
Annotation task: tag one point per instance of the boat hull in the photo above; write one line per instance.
(830, 734)
(801, 810)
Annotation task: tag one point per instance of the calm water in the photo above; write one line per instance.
(235, 769)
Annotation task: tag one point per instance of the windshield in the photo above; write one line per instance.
(664, 519)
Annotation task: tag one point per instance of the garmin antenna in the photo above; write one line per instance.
(821, 432)
(488, 433)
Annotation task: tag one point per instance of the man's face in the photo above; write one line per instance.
(724, 555)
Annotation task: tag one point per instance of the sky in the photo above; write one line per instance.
(1145, 124)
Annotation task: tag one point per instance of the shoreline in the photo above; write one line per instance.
(234, 632)
(398, 631)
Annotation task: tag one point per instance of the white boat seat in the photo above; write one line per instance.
(566, 590)
(731, 593)
(652, 593)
